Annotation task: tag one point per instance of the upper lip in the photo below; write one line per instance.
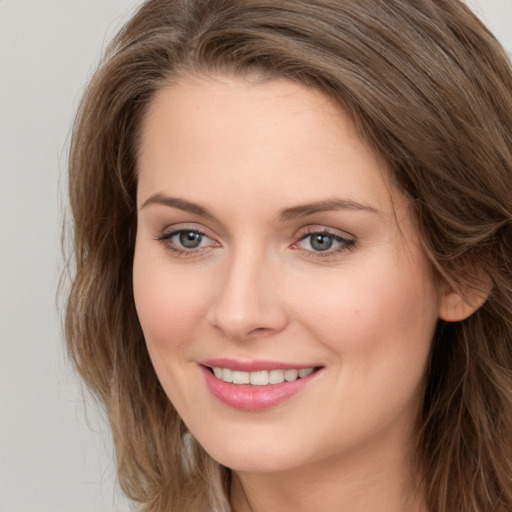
(254, 365)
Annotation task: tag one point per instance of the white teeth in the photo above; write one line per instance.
(241, 377)
(276, 376)
(261, 378)
(227, 374)
(305, 372)
(290, 375)
(258, 378)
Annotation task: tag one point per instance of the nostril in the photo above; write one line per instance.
(260, 330)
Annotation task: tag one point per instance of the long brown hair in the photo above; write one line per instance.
(430, 89)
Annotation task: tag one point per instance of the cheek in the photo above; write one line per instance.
(168, 304)
(378, 328)
(169, 307)
(385, 312)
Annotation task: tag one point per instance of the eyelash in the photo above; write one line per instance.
(166, 238)
(345, 243)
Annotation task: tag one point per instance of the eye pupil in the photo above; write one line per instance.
(321, 242)
(190, 239)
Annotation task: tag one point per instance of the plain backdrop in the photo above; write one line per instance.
(54, 456)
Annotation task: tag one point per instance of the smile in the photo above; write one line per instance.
(261, 378)
(250, 387)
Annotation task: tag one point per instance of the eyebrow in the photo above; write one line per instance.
(176, 202)
(302, 210)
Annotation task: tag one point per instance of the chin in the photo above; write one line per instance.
(255, 463)
(256, 456)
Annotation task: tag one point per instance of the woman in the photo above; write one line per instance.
(292, 243)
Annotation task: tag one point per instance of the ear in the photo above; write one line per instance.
(458, 303)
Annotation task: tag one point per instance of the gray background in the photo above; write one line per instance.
(54, 457)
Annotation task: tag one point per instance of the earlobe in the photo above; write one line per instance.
(459, 304)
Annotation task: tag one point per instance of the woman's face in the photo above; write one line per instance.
(270, 246)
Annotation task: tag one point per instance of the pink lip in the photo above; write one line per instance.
(253, 366)
(254, 398)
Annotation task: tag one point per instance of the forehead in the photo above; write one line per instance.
(273, 138)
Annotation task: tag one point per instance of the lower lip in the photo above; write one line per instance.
(246, 397)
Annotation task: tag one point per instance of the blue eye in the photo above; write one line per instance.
(186, 241)
(324, 242)
(189, 239)
(321, 241)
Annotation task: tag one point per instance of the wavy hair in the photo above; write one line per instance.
(430, 90)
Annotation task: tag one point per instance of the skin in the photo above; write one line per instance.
(255, 288)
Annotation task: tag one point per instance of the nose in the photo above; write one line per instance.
(248, 303)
